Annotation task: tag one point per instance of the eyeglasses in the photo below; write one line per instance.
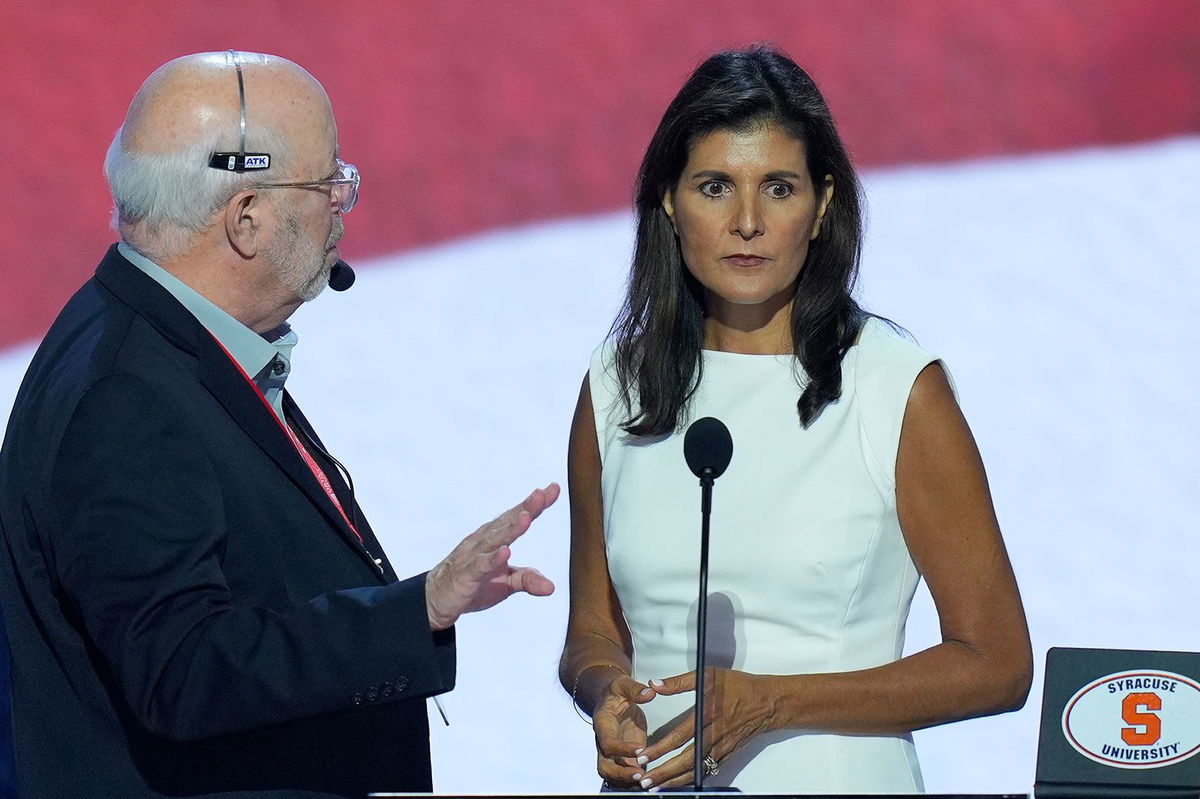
(343, 184)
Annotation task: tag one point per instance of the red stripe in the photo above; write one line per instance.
(469, 116)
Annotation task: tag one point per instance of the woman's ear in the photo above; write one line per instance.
(668, 204)
(823, 199)
(243, 222)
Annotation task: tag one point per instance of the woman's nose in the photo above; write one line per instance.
(748, 222)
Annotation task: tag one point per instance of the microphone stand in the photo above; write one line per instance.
(706, 487)
(708, 448)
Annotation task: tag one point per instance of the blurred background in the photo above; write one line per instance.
(1031, 171)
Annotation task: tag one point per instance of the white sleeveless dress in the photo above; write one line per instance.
(809, 572)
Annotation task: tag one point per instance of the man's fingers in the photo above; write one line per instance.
(531, 581)
(471, 576)
(540, 499)
(505, 528)
(512, 524)
(500, 557)
(537, 501)
(485, 563)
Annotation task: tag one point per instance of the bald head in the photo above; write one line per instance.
(194, 99)
(163, 189)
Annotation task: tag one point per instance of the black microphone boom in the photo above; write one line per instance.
(341, 276)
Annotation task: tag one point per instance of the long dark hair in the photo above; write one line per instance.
(660, 330)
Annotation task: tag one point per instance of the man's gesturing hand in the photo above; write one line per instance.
(476, 575)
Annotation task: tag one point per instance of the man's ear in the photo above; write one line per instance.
(243, 222)
(823, 198)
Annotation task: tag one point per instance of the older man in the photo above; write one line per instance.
(195, 602)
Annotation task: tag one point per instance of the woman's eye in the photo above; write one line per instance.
(779, 190)
(713, 189)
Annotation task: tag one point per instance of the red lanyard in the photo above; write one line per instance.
(315, 467)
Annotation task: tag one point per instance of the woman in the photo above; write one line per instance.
(853, 475)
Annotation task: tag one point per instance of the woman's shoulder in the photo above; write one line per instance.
(602, 366)
(602, 377)
(884, 345)
(888, 360)
(881, 332)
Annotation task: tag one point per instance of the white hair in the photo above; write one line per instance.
(162, 200)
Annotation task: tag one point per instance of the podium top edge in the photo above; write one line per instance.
(710, 794)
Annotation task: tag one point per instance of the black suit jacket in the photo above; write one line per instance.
(188, 613)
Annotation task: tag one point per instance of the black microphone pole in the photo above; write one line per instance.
(706, 487)
(708, 448)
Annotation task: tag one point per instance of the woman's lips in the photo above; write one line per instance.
(742, 259)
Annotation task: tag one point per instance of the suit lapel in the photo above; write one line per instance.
(245, 405)
(224, 380)
(345, 494)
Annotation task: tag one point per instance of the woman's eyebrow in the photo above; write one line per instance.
(714, 174)
(784, 173)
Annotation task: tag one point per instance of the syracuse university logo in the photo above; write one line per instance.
(1135, 719)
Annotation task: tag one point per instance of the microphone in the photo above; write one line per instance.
(707, 448)
(341, 276)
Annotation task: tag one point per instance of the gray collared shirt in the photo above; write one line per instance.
(267, 358)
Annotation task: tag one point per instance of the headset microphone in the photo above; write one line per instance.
(341, 276)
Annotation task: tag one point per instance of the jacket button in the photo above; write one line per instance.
(387, 689)
(372, 694)
(401, 683)
(357, 699)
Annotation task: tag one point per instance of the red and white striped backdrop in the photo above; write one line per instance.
(1031, 172)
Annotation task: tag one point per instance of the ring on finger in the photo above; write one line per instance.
(711, 766)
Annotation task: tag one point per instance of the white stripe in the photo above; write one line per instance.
(1061, 290)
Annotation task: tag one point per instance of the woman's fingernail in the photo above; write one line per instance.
(637, 776)
(656, 682)
(646, 783)
(645, 692)
(639, 750)
(643, 760)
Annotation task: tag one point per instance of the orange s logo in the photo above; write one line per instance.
(1133, 713)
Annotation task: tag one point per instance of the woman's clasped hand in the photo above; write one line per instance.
(620, 727)
(738, 706)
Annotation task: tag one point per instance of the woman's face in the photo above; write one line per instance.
(745, 211)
